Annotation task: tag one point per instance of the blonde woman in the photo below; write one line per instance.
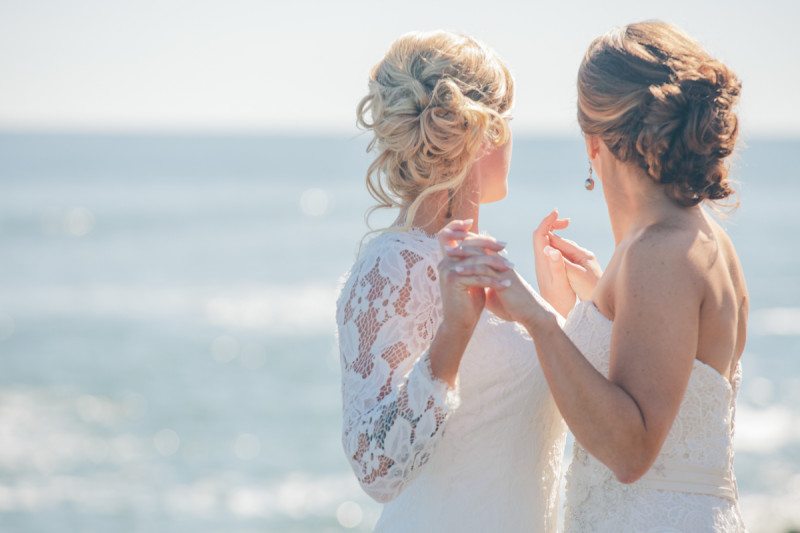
(447, 416)
(646, 370)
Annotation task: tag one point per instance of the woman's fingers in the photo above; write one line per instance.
(570, 249)
(484, 281)
(448, 235)
(475, 270)
(483, 241)
(546, 222)
(472, 249)
(458, 252)
(451, 235)
(475, 245)
(481, 263)
(573, 268)
(556, 264)
(495, 304)
(551, 222)
(484, 270)
(463, 224)
(541, 231)
(563, 265)
(583, 279)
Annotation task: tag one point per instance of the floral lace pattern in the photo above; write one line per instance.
(484, 456)
(701, 436)
(395, 408)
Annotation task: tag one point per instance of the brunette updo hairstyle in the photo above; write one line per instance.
(659, 100)
(435, 102)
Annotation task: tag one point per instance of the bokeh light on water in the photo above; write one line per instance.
(315, 202)
(167, 351)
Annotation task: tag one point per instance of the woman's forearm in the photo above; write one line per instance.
(562, 305)
(602, 416)
(446, 350)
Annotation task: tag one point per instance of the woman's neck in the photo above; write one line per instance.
(635, 201)
(432, 213)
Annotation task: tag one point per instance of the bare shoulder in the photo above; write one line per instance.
(665, 255)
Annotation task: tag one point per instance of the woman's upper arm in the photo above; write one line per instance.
(393, 406)
(657, 297)
(386, 312)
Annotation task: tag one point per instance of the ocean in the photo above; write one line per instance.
(167, 352)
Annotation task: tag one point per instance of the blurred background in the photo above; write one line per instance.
(181, 189)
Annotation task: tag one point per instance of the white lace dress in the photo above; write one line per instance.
(484, 456)
(691, 486)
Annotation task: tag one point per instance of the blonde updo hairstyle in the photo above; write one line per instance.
(436, 103)
(658, 99)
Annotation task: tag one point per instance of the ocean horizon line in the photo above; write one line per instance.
(315, 134)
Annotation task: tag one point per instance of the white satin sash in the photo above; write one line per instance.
(693, 479)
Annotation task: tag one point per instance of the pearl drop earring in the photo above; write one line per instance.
(589, 183)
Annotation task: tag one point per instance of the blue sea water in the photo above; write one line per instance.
(167, 350)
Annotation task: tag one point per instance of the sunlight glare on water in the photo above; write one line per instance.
(167, 327)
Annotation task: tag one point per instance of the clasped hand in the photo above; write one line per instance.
(474, 275)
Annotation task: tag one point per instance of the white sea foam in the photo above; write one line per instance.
(44, 431)
(770, 513)
(301, 309)
(47, 442)
(766, 430)
(297, 496)
(293, 309)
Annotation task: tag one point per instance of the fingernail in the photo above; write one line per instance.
(506, 283)
(468, 221)
(502, 243)
(458, 269)
(551, 253)
(509, 264)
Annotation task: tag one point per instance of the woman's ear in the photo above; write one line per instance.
(486, 148)
(592, 146)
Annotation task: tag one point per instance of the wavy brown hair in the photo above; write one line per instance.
(659, 100)
(435, 102)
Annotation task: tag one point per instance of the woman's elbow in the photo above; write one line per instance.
(628, 475)
(381, 488)
(378, 491)
(630, 468)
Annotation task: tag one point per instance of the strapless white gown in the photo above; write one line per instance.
(483, 456)
(691, 486)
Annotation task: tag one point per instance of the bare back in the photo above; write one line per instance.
(723, 292)
(723, 315)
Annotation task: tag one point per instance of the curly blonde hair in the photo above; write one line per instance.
(436, 102)
(658, 99)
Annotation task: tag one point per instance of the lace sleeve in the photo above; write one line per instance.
(394, 408)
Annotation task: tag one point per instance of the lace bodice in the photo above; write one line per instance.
(485, 453)
(698, 447)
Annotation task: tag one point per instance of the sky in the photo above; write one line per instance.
(300, 67)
